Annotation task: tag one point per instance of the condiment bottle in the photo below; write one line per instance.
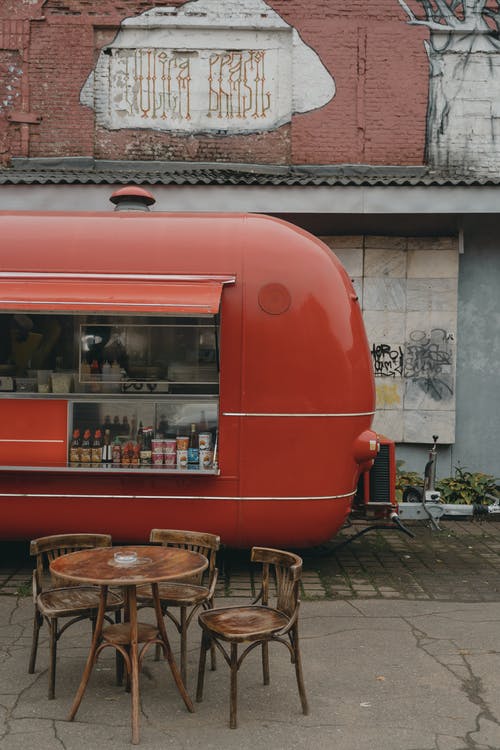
(96, 453)
(106, 448)
(86, 450)
(75, 447)
(145, 454)
(116, 451)
(116, 427)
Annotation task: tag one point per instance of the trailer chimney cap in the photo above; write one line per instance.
(132, 198)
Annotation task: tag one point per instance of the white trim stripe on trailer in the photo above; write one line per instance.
(177, 497)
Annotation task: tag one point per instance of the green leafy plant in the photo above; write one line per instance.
(468, 487)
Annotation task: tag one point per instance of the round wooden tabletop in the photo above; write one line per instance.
(102, 566)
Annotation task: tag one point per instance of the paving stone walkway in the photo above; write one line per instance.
(459, 563)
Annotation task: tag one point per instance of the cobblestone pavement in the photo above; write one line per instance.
(460, 563)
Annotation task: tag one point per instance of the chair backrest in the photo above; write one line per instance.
(197, 541)
(48, 548)
(286, 567)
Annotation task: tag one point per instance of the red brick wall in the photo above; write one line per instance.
(377, 60)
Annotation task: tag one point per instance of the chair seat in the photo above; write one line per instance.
(243, 623)
(174, 593)
(120, 633)
(74, 600)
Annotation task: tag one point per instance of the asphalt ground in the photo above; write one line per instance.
(399, 641)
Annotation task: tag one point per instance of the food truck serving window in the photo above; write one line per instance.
(137, 363)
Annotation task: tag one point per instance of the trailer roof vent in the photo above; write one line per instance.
(132, 198)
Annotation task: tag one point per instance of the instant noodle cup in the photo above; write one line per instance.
(182, 443)
(170, 459)
(205, 441)
(182, 459)
(169, 445)
(157, 459)
(206, 459)
(157, 446)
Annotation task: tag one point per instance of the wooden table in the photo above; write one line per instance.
(154, 564)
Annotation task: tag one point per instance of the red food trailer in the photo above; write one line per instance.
(199, 371)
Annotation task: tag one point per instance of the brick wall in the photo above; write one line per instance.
(376, 59)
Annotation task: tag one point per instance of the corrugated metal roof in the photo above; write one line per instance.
(83, 170)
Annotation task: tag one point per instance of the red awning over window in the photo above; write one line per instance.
(99, 293)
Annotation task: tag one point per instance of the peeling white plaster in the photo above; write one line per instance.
(208, 66)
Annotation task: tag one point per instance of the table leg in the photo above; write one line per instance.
(134, 662)
(91, 657)
(168, 651)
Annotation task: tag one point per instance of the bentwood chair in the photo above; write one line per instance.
(62, 600)
(187, 595)
(257, 624)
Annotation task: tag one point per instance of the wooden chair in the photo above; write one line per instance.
(186, 594)
(257, 624)
(62, 600)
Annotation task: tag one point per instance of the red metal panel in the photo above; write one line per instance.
(33, 432)
(64, 293)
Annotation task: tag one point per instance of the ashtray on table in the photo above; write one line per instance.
(125, 558)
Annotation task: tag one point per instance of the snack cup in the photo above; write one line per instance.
(182, 443)
(170, 459)
(182, 459)
(157, 446)
(205, 441)
(206, 459)
(169, 445)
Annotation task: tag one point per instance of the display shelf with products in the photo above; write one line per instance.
(178, 434)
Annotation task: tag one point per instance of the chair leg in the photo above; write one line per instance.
(213, 651)
(158, 646)
(37, 624)
(183, 645)
(265, 662)
(233, 723)
(298, 671)
(52, 658)
(213, 661)
(205, 645)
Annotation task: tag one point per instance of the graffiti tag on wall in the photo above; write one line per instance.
(387, 361)
(427, 361)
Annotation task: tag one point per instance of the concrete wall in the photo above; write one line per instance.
(477, 441)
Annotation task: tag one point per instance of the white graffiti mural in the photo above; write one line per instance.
(463, 121)
(206, 66)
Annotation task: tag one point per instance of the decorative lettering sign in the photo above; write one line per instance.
(207, 66)
(167, 85)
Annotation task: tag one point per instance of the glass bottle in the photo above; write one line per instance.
(116, 452)
(125, 428)
(75, 447)
(96, 450)
(145, 455)
(106, 448)
(193, 448)
(86, 449)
